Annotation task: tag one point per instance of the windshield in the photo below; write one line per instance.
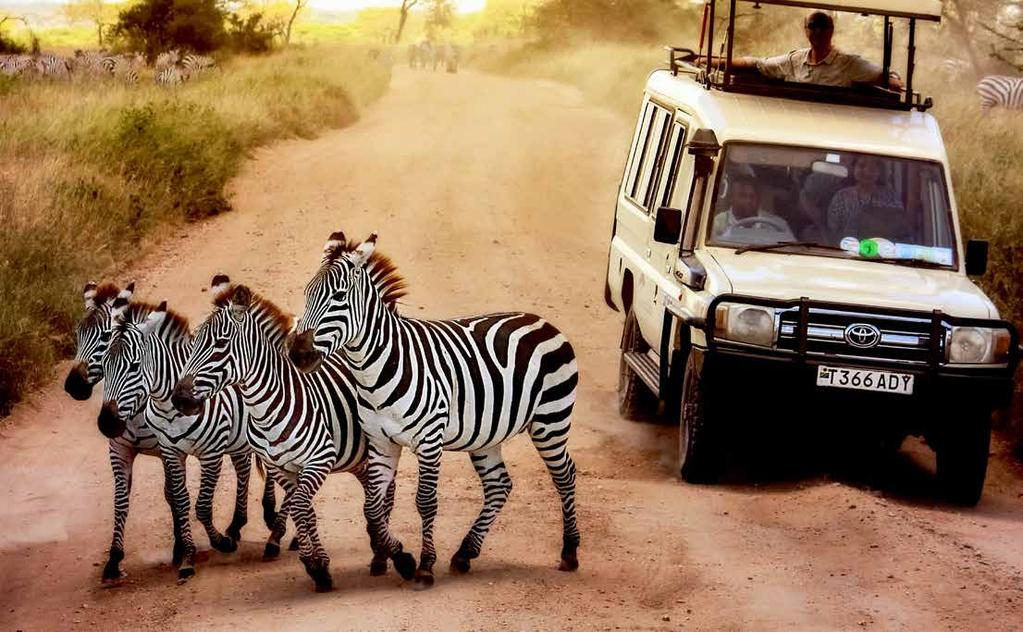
(868, 206)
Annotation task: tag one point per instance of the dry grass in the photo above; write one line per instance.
(87, 170)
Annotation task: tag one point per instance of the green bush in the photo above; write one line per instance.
(86, 167)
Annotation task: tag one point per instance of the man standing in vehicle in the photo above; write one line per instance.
(821, 63)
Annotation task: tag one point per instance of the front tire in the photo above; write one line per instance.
(699, 446)
(962, 457)
(635, 401)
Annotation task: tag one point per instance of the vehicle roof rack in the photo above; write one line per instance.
(718, 72)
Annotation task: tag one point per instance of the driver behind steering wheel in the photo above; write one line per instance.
(739, 221)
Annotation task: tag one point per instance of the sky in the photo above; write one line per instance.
(464, 6)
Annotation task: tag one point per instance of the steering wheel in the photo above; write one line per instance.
(776, 223)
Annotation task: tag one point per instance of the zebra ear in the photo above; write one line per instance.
(89, 295)
(335, 245)
(365, 250)
(219, 285)
(119, 310)
(155, 319)
(127, 292)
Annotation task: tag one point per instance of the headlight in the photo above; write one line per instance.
(745, 323)
(978, 345)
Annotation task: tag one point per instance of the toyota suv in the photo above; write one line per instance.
(799, 245)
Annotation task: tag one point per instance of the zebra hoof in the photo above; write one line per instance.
(460, 565)
(293, 545)
(185, 573)
(405, 564)
(224, 545)
(112, 574)
(378, 567)
(325, 583)
(271, 552)
(178, 555)
(569, 563)
(424, 579)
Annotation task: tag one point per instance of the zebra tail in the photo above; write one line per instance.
(259, 468)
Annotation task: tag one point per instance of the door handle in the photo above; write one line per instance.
(648, 251)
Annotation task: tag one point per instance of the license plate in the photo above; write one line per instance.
(865, 380)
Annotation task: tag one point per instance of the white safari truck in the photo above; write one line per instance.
(798, 246)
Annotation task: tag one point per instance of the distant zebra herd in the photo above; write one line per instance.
(170, 68)
(430, 55)
(345, 388)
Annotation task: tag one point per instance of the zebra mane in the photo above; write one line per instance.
(175, 324)
(275, 320)
(383, 272)
(105, 292)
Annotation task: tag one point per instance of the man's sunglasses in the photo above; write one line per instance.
(819, 27)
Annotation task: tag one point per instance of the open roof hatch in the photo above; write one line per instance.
(718, 72)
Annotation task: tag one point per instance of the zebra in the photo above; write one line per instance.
(464, 385)
(16, 65)
(141, 365)
(167, 58)
(127, 67)
(193, 65)
(998, 90)
(304, 426)
(53, 66)
(170, 76)
(92, 336)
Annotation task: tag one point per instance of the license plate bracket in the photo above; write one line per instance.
(874, 380)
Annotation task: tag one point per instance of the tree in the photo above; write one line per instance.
(8, 46)
(439, 15)
(100, 13)
(154, 26)
(299, 5)
(406, 6)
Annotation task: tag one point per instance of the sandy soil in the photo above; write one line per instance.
(496, 194)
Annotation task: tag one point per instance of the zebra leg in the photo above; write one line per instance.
(311, 553)
(174, 473)
(383, 462)
(269, 500)
(204, 503)
(272, 550)
(497, 486)
(122, 459)
(426, 503)
(378, 565)
(243, 470)
(549, 433)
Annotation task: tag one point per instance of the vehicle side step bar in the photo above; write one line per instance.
(646, 368)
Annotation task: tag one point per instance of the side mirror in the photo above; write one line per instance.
(668, 225)
(976, 257)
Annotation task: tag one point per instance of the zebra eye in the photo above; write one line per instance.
(135, 366)
(340, 294)
(105, 336)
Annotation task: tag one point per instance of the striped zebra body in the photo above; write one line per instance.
(53, 67)
(170, 76)
(193, 65)
(16, 65)
(1001, 91)
(89, 63)
(142, 365)
(464, 385)
(92, 335)
(302, 425)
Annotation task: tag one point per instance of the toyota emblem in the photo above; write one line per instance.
(862, 335)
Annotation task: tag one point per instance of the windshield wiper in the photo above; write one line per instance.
(786, 244)
(913, 263)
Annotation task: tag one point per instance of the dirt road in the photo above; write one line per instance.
(494, 194)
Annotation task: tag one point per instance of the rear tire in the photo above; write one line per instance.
(635, 401)
(699, 446)
(962, 457)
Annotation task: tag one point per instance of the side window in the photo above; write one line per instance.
(639, 149)
(643, 190)
(672, 160)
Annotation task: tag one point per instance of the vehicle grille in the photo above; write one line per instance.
(903, 339)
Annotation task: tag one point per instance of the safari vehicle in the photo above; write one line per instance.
(818, 303)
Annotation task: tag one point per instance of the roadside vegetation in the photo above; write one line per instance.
(571, 43)
(89, 170)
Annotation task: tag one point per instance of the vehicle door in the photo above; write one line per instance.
(672, 171)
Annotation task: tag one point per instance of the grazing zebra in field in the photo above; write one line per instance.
(194, 65)
(142, 365)
(167, 58)
(170, 76)
(16, 65)
(303, 425)
(92, 336)
(1002, 91)
(467, 385)
(53, 67)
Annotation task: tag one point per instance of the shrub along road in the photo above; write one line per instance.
(495, 194)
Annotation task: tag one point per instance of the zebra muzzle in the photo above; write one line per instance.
(77, 382)
(109, 422)
(184, 399)
(302, 353)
